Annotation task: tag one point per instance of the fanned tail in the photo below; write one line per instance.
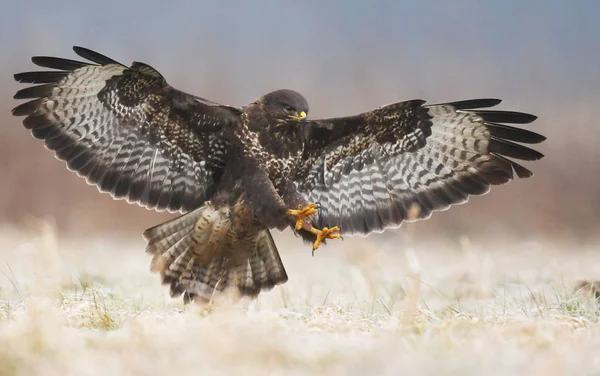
(199, 254)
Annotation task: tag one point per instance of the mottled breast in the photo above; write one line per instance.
(283, 152)
(275, 147)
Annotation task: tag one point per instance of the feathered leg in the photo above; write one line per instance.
(289, 209)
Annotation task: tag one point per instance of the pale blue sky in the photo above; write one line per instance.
(322, 34)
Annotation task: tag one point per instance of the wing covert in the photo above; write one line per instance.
(126, 130)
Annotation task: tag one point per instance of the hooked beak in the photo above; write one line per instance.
(299, 116)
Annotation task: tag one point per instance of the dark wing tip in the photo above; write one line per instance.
(511, 149)
(504, 116)
(57, 63)
(94, 56)
(514, 134)
(39, 91)
(474, 103)
(40, 77)
(522, 172)
(27, 108)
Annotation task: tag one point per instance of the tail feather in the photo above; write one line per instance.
(199, 253)
(265, 265)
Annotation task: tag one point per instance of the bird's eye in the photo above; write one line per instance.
(289, 108)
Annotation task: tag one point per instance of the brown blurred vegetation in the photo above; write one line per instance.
(561, 202)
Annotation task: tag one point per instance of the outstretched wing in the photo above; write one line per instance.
(126, 130)
(403, 161)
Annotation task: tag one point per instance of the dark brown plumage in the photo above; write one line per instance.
(236, 172)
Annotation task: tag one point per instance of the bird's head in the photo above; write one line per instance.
(284, 107)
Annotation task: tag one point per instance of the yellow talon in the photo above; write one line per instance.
(325, 233)
(302, 214)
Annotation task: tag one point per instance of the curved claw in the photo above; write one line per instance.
(319, 206)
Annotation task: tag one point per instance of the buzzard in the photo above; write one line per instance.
(237, 172)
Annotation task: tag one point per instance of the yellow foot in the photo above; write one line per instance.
(325, 233)
(302, 214)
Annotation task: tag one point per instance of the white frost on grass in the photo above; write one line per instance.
(360, 307)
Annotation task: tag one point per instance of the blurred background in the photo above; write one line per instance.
(539, 56)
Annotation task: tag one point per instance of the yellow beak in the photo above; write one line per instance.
(300, 116)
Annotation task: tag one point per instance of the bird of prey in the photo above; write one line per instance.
(235, 173)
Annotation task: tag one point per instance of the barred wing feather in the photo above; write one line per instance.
(126, 130)
(403, 161)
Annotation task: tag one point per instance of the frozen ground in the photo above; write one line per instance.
(360, 307)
